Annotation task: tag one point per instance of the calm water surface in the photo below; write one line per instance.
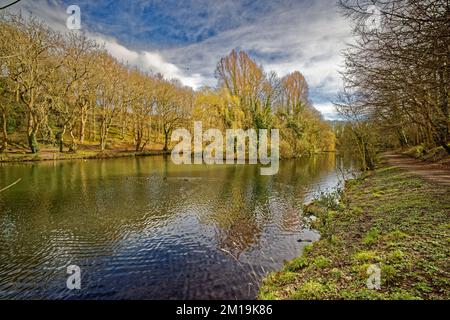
(144, 228)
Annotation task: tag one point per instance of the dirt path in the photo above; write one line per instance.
(429, 171)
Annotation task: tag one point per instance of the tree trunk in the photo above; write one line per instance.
(93, 127)
(103, 134)
(402, 138)
(33, 128)
(83, 124)
(5, 129)
(102, 140)
(166, 141)
(446, 147)
(73, 142)
(60, 138)
(138, 140)
(124, 125)
(32, 142)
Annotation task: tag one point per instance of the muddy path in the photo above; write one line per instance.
(429, 171)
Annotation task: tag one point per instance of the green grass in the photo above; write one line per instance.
(389, 218)
(80, 154)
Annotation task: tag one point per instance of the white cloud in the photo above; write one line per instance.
(149, 61)
(55, 16)
(307, 39)
(328, 110)
(305, 36)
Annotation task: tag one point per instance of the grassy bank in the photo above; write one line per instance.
(389, 218)
(17, 152)
(28, 157)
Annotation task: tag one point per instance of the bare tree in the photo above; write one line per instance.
(173, 104)
(31, 68)
(401, 67)
(72, 87)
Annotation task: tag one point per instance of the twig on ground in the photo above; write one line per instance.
(11, 185)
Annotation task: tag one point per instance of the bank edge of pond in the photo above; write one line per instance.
(389, 218)
(23, 158)
(85, 155)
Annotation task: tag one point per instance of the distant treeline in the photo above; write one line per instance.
(65, 89)
(397, 76)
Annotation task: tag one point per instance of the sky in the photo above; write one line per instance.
(185, 39)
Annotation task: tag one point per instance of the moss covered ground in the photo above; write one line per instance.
(388, 218)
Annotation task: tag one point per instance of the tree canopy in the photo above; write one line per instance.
(66, 90)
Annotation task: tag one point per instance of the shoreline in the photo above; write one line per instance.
(11, 158)
(36, 158)
(382, 218)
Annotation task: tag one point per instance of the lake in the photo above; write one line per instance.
(144, 228)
